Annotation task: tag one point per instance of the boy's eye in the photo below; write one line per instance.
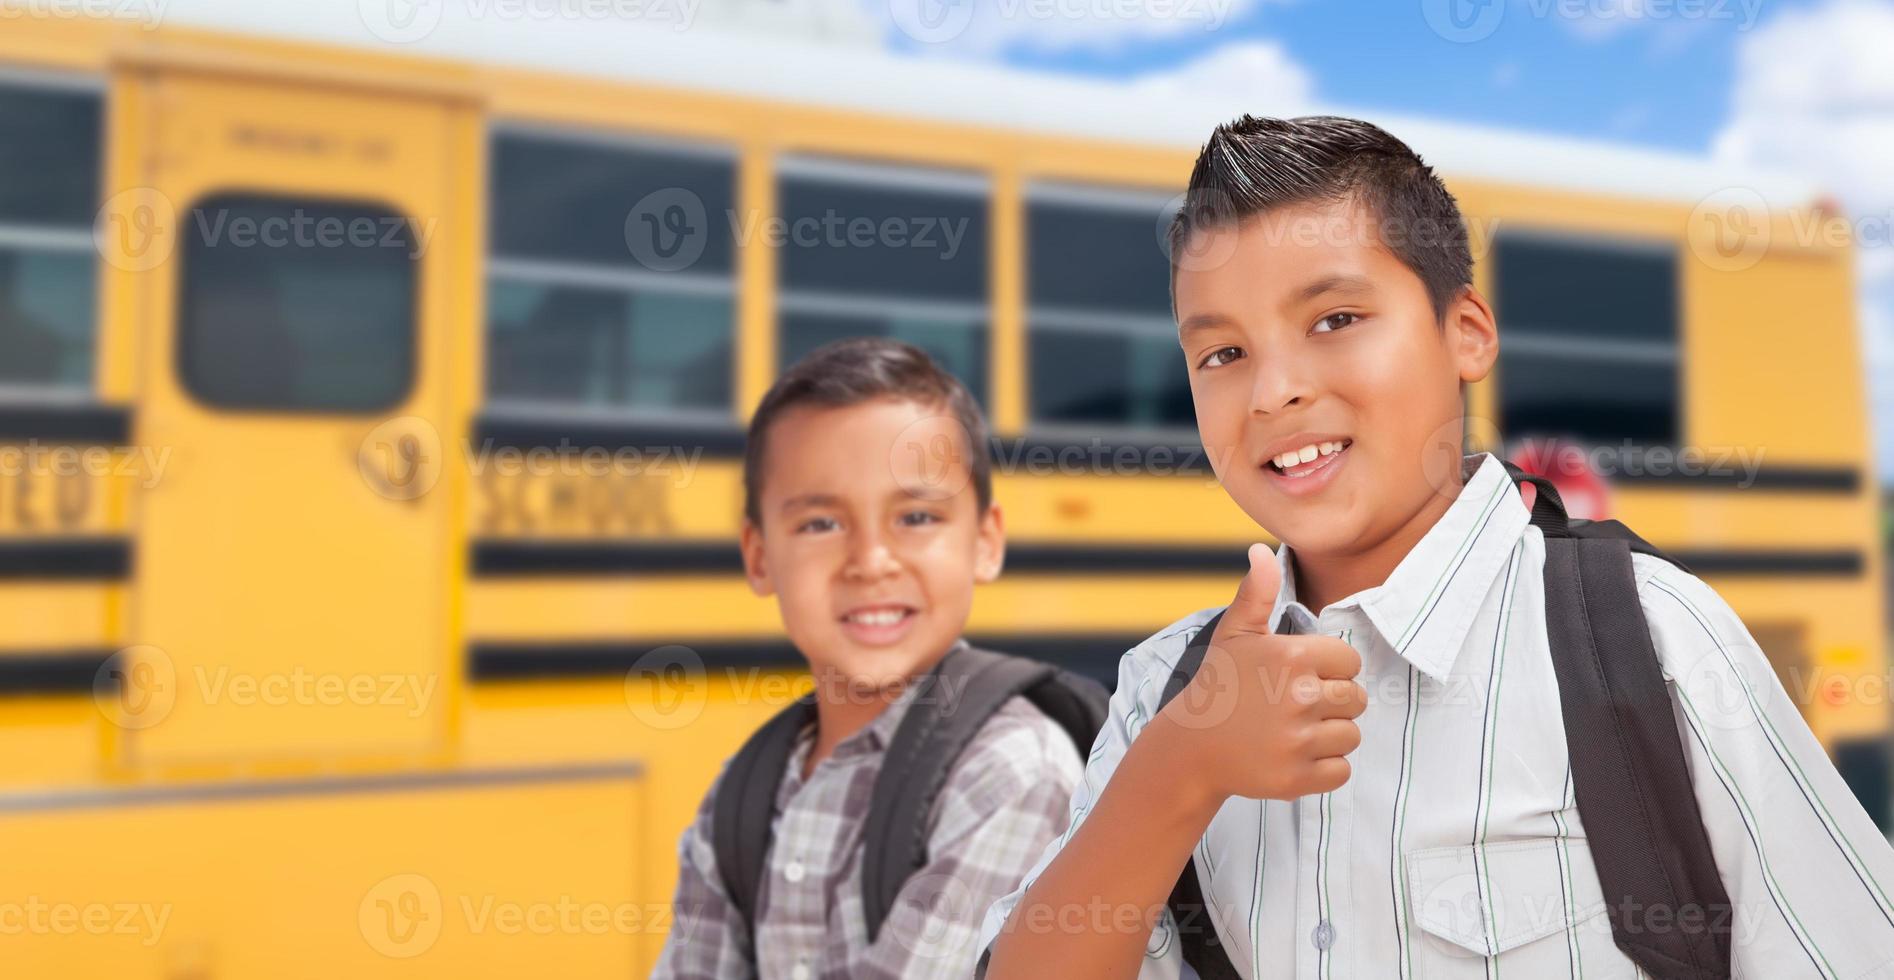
(919, 517)
(1221, 356)
(1334, 322)
(815, 525)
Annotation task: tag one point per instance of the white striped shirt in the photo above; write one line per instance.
(1456, 849)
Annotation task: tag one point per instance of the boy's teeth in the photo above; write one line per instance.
(879, 617)
(1307, 453)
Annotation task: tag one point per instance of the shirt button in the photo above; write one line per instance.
(1324, 936)
(799, 972)
(794, 872)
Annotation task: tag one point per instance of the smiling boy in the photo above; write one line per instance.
(872, 554)
(1371, 775)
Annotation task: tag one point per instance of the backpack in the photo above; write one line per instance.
(972, 685)
(1634, 793)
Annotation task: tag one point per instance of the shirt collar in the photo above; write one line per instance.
(1426, 606)
(874, 736)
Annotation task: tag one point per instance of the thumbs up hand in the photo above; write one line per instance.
(1267, 716)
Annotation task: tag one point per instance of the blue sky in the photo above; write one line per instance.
(1657, 82)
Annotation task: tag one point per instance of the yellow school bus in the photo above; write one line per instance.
(370, 408)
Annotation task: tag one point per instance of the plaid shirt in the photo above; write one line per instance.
(1004, 801)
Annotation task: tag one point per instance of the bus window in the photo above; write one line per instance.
(1588, 345)
(1104, 348)
(292, 304)
(884, 251)
(49, 179)
(610, 283)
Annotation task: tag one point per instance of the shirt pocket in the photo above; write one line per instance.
(1534, 907)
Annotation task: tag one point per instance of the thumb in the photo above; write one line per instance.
(1256, 595)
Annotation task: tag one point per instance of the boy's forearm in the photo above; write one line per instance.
(1091, 912)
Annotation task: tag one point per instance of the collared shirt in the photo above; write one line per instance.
(1455, 850)
(1003, 802)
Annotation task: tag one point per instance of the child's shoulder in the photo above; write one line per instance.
(1692, 627)
(1022, 740)
(1162, 649)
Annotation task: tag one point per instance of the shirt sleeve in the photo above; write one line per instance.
(1808, 872)
(708, 940)
(1142, 674)
(1003, 802)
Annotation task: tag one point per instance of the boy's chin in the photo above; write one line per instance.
(864, 670)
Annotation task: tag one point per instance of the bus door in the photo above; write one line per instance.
(293, 565)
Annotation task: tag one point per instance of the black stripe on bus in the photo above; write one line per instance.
(1736, 561)
(507, 432)
(53, 672)
(80, 423)
(1092, 654)
(502, 559)
(66, 558)
(1807, 479)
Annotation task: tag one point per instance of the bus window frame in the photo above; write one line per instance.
(1671, 353)
(60, 239)
(975, 185)
(629, 281)
(186, 291)
(1123, 198)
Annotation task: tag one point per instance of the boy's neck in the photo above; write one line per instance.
(839, 718)
(1325, 579)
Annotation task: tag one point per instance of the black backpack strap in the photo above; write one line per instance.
(1196, 933)
(952, 703)
(1628, 770)
(745, 806)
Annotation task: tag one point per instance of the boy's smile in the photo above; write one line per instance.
(1323, 376)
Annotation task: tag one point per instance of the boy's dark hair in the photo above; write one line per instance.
(1253, 164)
(856, 370)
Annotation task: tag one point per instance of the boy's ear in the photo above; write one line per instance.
(992, 545)
(750, 540)
(1472, 335)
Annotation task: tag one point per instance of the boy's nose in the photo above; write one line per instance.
(869, 558)
(1276, 387)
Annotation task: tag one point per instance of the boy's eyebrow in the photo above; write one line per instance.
(1203, 321)
(811, 500)
(1337, 283)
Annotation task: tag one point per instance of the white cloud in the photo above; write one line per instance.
(1814, 94)
(990, 28)
(1257, 77)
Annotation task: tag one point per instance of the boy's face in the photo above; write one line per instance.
(1307, 330)
(871, 553)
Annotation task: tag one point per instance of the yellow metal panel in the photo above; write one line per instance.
(53, 615)
(504, 880)
(270, 558)
(49, 741)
